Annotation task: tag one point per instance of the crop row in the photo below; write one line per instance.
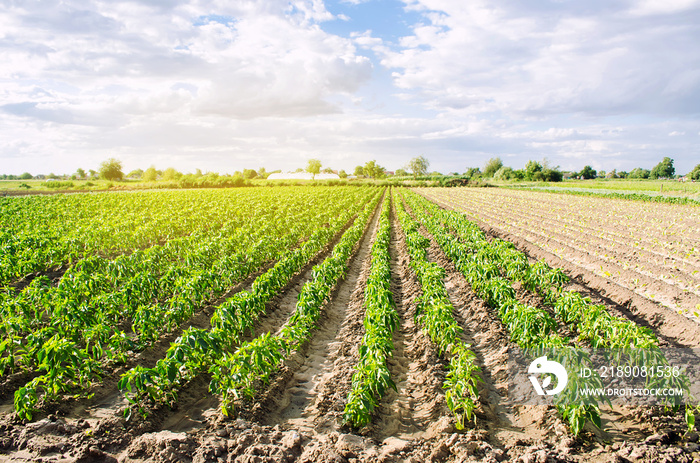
(617, 223)
(435, 314)
(198, 350)
(626, 196)
(39, 233)
(162, 283)
(372, 377)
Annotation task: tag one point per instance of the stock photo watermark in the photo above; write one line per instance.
(632, 377)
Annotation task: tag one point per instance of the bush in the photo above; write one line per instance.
(638, 172)
(57, 185)
(504, 173)
(695, 173)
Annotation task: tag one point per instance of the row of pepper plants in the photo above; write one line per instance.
(97, 294)
(372, 377)
(595, 325)
(435, 314)
(198, 350)
(235, 375)
(529, 327)
(95, 305)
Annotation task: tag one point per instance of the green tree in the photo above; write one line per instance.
(359, 171)
(111, 169)
(587, 173)
(80, 173)
(695, 173)
(533, 171)
(136, 173)
(664, 169)
(638, 172)
(171, 174)
(492, 167)
(418, 166)
(313, 167)
(262, 173)
(342, 174)
(400, 173)
(93, 173)
(249, 173)
(373, 170)
(472, 172)
(150, 175)
(25, 176)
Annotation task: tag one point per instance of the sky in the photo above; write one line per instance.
(226, 85)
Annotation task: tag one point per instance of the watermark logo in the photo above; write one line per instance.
(543, 366)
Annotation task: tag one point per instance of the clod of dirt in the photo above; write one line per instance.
(160, 447)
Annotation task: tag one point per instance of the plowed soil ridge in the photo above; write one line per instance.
(676, 329)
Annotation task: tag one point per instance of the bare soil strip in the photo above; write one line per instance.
(333, 350)
(674, 328)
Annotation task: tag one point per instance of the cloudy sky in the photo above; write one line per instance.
(224, 85)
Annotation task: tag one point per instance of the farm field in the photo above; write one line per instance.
(625, 248)
(329, 323)
(666, 187)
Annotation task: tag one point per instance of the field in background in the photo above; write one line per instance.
(649, 187)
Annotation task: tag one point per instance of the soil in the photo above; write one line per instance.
(298, 416)
(669, 313)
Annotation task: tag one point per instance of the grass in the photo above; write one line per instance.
(36, 186)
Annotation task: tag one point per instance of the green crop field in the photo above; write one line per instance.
(353, 314)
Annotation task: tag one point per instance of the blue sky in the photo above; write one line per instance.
(227, 85)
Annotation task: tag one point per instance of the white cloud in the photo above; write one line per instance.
(250, 60)
(651, 7)
(526, 58)
(222, 85)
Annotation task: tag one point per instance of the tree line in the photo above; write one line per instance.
(112, 170)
